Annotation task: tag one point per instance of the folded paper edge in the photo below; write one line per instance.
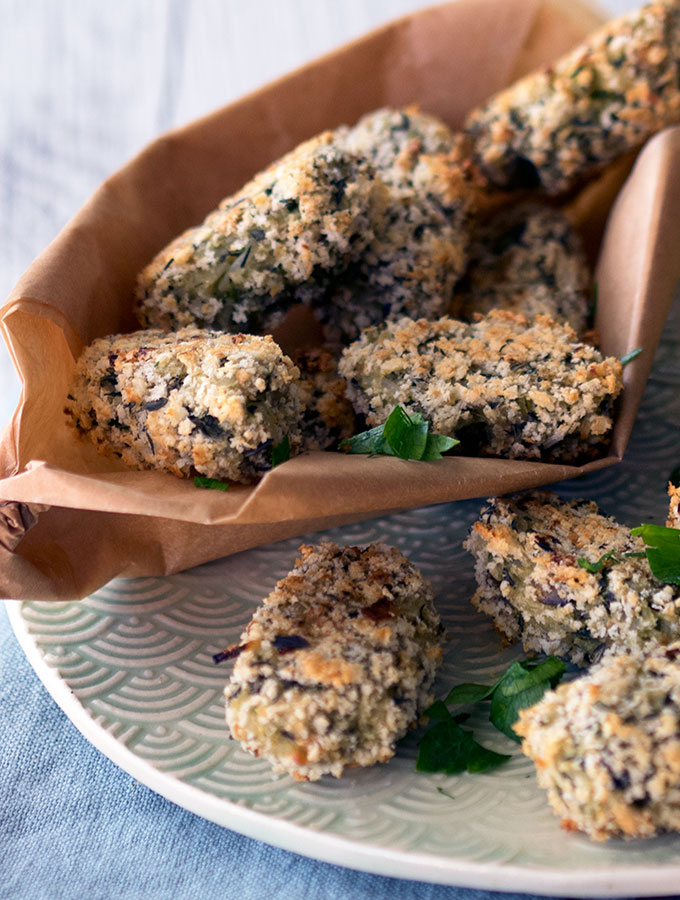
(15, 520)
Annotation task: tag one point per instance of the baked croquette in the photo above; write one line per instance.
(607, 746)
(337, 663)
(562, 124)
(502, 385)
(527, 550)
(394, 140)
(419, 249)
(529, 260)
(191, 401)
(273, 244)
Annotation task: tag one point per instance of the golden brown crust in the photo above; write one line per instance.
(527, 549)
(192, 400)
(607, 746)
(502, 385)
(674, 506)
(336, 663)
(561, 124)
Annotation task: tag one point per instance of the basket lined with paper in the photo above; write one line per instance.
(83, 286)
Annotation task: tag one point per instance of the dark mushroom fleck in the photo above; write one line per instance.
(552, 598)
(229, 653)
(152, 405)
(284, 643)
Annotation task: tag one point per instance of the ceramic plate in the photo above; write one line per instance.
(132, 668)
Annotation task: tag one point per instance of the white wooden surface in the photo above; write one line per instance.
(85, 84)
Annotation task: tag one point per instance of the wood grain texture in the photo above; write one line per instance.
(85, 85)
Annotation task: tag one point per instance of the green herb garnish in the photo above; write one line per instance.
(213, 484)
(281, 452)
(451, 749)
(441, 790)
(522, 684)
(406, 436)
(630, 356)
(437, 445)
(372, 442)
(470, 693)
(662, 546)
(403, 435)
(608, 558)
(596, 567)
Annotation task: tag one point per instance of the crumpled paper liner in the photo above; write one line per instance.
(106, 520)
(15, 520)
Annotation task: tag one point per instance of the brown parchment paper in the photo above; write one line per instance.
(72, 519)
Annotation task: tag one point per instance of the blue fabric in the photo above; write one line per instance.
(73, 826)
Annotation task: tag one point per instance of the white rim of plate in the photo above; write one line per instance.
(625, 881)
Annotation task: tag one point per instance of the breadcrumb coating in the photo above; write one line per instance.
(502, 385)
(190, 401)
(328, 416)
(395, 140)
(273, 244)
(419, 249)
(607, 746)
(562, 124)
(337, 663)
(529, 260)
(527, 549)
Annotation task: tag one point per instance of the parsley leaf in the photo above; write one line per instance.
(281, 452)
(403, 435)
(201, 481)
(449, 748)
(371, 442)
(629, 357)
(596, 567)
(522, 685)
(436, 445)
(469, 693)
(663, 551)
(610, 557)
